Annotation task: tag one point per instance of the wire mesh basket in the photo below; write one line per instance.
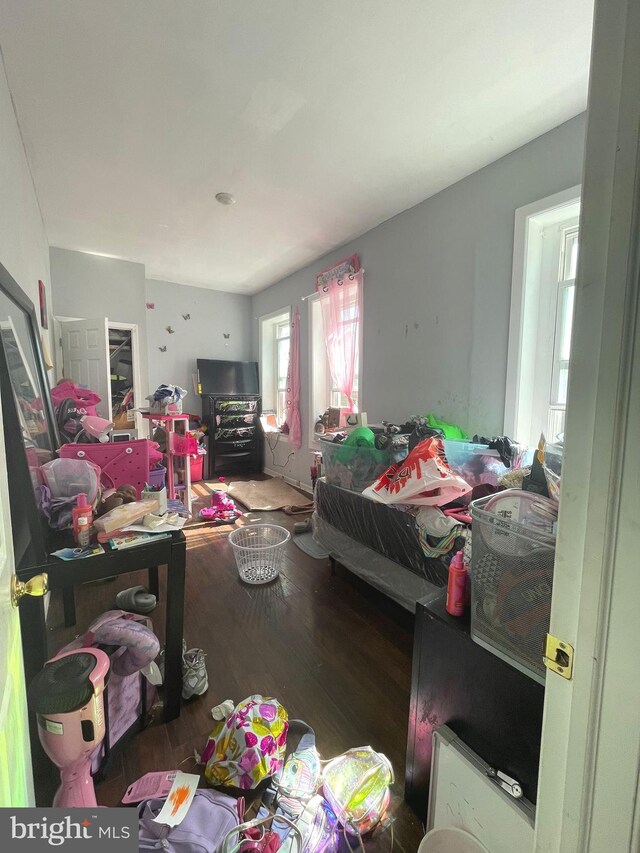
(511, 586)
(259, 549)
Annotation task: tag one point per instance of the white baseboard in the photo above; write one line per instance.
(304, 487)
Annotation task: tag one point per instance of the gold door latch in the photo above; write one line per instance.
(37, 585)
(558, 656)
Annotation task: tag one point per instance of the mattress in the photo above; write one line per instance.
(386, 530)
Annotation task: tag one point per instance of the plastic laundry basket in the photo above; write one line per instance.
(259, 549)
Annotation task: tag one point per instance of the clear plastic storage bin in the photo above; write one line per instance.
(475, 463)
(356, 468)
(511, 585)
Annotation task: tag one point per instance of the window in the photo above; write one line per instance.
(324, 391)
(275, 334)
(542, 297)
(563, 327)
(282, 333)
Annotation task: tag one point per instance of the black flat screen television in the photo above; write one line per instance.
(227, 377)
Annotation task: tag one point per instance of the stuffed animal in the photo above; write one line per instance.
(112, 498)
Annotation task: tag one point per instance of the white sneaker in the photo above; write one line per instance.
(161, 656)
(194, 674)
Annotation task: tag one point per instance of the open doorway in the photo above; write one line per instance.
(103, 355)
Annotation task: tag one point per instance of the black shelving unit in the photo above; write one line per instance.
(235, 433)
(493, 707)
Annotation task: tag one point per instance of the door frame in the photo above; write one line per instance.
(135, 350)
(588, 795)
(135, 356)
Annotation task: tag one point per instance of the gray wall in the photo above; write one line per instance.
(24, 249)
(88, 286)
(437, 295)
(212, 315)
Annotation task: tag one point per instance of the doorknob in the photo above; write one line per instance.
(37, 585)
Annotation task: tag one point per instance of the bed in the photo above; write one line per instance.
(378, 543)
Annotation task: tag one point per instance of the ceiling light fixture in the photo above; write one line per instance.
(225, 198)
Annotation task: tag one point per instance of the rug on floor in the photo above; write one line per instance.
(306, 543)
(266, 494)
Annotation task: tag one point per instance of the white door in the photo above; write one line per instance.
(85, 357)
(589, 793)
(16, 780)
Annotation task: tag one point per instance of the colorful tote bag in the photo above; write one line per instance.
(249, 745)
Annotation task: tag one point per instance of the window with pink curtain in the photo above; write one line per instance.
(341, 300)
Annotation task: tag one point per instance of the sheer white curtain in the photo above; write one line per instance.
(341, 299)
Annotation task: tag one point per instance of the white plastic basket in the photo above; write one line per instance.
(259, 549)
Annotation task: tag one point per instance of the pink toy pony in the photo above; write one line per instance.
(222, 509)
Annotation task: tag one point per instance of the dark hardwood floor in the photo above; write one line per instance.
(335, 653)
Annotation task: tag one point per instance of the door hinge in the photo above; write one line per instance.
(558, 656)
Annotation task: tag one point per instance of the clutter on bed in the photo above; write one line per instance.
(428, 491)
(475, 462)
(355, 460)
(423, 478)
(448, 430)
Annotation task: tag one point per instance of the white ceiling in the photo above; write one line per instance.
(322, 117)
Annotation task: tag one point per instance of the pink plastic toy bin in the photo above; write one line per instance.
(121, 463)
(183, 445)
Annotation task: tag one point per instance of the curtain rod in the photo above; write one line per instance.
(315, 293)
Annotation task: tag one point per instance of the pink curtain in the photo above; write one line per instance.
(340, 299)
(292, 417)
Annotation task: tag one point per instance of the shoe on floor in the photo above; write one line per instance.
(160, 658)
(194, 674)
(302, 526)
(136, 599)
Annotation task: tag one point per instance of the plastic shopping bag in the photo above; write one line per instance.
(424, 478)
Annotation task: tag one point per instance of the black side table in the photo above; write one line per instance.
(493, 707)
(64, 574)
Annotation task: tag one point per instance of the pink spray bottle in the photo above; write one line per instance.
(457, 586)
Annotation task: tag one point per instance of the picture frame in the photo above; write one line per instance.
(42, 296)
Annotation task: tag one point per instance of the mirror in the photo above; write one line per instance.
(31, 436)
(27, 391)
